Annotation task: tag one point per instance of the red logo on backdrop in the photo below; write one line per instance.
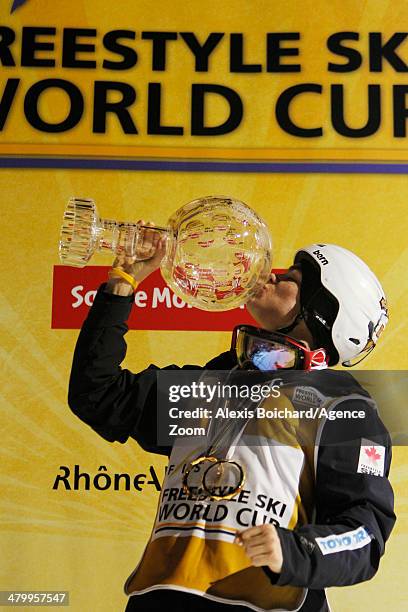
(156, 306)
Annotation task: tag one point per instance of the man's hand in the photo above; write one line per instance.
(152, 248)
(262, 545)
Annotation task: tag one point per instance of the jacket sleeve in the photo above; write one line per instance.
(354, 508)
(115, 402)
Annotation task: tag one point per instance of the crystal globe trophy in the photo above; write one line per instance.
(218, 250)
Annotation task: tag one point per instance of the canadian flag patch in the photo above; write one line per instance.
(372, 457)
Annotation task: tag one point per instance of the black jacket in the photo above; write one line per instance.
(119, 404)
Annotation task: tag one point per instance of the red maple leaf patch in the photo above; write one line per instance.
(372, 454)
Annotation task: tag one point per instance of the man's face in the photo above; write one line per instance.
(277, 303)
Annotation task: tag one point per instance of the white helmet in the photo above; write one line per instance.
(343, 303)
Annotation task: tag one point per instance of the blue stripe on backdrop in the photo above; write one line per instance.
(205, 166)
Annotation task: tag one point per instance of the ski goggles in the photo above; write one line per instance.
(267, 351)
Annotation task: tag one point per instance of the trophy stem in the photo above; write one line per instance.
(122, 237)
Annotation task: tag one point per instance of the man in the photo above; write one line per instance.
(313, 512)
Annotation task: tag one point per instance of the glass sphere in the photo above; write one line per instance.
(219, 252)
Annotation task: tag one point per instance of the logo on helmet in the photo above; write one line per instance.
(375, 330)
(383, 320)
(383, 304)
(321, 257)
